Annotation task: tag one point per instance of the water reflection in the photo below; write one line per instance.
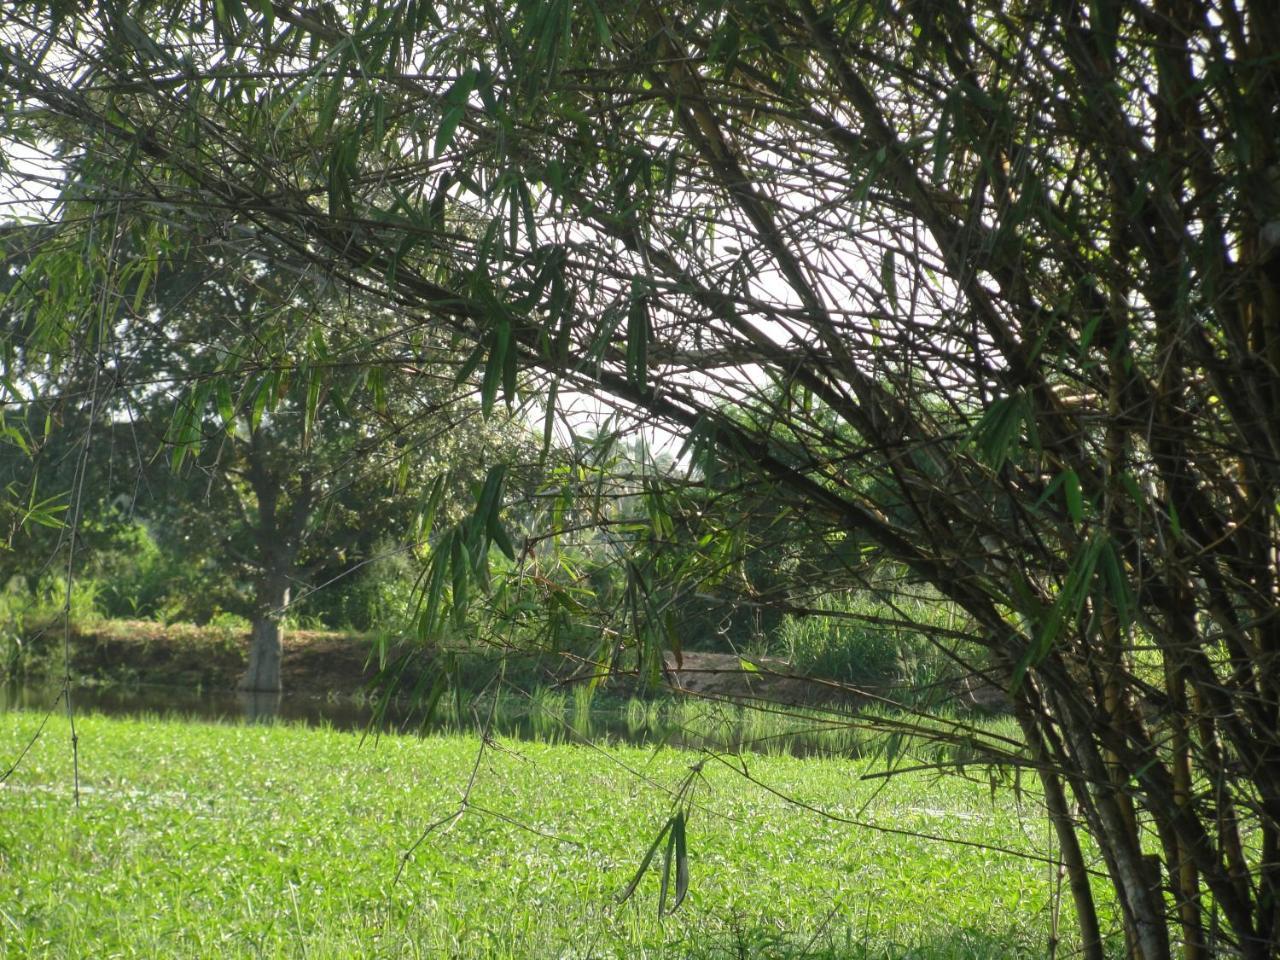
(548, 716)
(531, 720)
(260, 706)
(216, 706)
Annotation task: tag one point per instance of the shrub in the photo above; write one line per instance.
(846, 641)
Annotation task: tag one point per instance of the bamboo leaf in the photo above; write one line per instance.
(889, 278)
(226, 408)
(455, 100)
(1074, 498)
(1065, 608)
(259, 404)
(667, 861)
(630, 888)
(432, 606)
(637, 339)
(998, 429)
(493, 372)
(498, 534)
(448, 126)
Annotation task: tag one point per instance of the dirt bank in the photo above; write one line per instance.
(319, 663)
(210, 658)
(760, 678)
(324, 663)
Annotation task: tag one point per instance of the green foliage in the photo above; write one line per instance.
(39, 612)
(985, 291)
(884, 646)
(196, 840)
(378, 595)
(849, 650)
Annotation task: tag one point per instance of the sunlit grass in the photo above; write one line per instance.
(197, 840)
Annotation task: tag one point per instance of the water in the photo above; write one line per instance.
(546, 716)
(218, 706)
(339, 713)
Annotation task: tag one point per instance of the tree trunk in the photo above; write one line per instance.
(1091, 943)
(277, 535)
(266, 646)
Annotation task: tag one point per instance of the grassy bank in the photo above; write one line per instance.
(196, 840)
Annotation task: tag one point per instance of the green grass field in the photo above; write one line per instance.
(201, 840)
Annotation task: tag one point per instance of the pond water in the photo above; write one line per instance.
(549, 716)
(218, 706)
(340, 713)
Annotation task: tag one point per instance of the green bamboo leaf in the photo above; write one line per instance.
(44, 513)
(637, 339)
(12, 390)
(548, 423)
(1132, 488)
(667, 861)
(997, 430)
(490, 499)
(433, 603)
(498, 534)
(259, 404)
(1066, 606)
(630, 888)
(472, 362)
(436, 211)
(314, 386)
(455, 101)
(1074, 498)
(889, 278)
(509, 366)
(332, 98)
(226, 407)
(1117, 587)
(448, 126)
(603, 32)
(460, 562)
(493, 372)
(143, 284)
(682, 861)
(402, 476)
(430, 506)
(185, 424)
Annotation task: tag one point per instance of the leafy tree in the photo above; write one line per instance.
(998, 284)
(259, 457)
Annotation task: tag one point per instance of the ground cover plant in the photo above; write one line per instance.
(237, 841)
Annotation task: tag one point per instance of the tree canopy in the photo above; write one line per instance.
(989, 290)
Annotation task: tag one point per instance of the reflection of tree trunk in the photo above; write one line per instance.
(259, 706)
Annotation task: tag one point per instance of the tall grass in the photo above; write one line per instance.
(858, 639)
